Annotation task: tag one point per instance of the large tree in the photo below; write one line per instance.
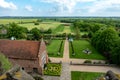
(104, 40)
(107, 39)
(36, 33)
(16, 31)
(115, 53)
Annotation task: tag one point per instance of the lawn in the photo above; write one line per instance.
(79, 46)
(53, 69)
(53, 48)
(42, 25)
(76, 75)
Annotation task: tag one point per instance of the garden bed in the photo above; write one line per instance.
(53, 69)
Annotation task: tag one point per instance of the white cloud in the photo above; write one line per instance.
(7, 5)
(103, 5)
(95, 7)
(66, 5)
(29, 8)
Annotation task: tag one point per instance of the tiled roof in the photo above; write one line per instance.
(20, 49)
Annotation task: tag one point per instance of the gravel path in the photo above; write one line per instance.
(66, 73)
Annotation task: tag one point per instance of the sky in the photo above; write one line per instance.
(60, 8)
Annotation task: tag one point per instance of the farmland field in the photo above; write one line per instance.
(42, 25)
(79, 46)
(58, 29)
(67, 29)
(7, 21)
(76, 75)
(53, 48)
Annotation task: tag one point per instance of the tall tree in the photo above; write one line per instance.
(107, 39)
(115, 53)
(36, 33)
(16, 31)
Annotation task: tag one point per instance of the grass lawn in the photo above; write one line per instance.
(53, 69)
(53, 48)
(76, 75)
(42, 25)
(79, 46)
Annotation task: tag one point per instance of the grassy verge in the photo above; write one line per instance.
(75, 75)
(53, 69)
(53, 48)
(79, 46)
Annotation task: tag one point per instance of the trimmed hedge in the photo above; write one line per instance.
(72, 48)
(60, 46)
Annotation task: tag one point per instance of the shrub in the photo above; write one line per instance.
(87, 61)
(38, 78)
(36, 23)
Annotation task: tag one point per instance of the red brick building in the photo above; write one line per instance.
(30, 55)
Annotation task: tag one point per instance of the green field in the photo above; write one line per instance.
(42, 25)
(75, 75)
(58, 29)
(7, 21)
(79, 46)
(53, 48)
(67, 29)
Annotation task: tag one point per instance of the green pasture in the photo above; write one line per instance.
(58, 29)
(53, 48)
(67, 29)
(42, 25)
(76, 75)
(79, 46)
(7, 21)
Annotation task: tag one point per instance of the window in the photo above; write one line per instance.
(35, 70)
(22, 68)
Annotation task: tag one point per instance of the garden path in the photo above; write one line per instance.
(66, 73)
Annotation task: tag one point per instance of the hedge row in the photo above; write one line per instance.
(72, 47)
(60, 48)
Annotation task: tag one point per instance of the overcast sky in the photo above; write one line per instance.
(59, 7)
